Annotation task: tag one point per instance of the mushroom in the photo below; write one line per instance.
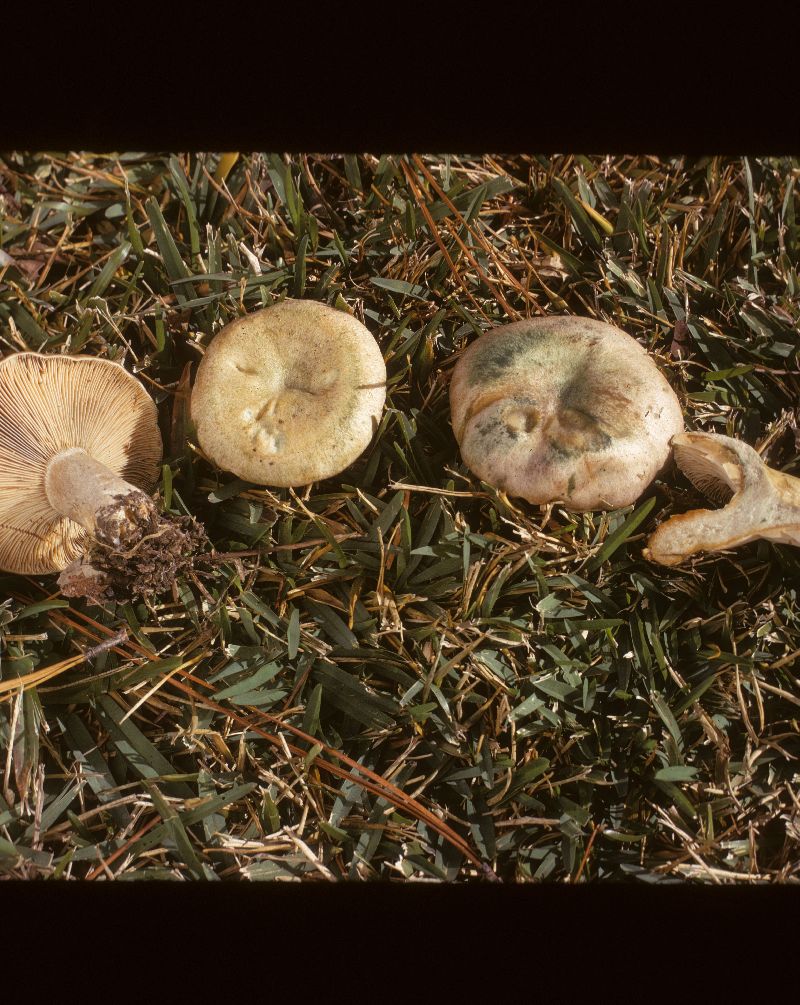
(563, 409)
(79, 444)
(290, 394)
(763, 502)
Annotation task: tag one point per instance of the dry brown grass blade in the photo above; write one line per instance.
(420, 201)
(42, 674)
(586, 854)
(371, 781)
(122, 849)
(487, 247)
(9, 688)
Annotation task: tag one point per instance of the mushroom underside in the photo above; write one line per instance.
(80, 449)
(759, 502)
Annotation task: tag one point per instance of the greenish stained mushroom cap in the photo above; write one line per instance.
(290, 394)
(563, 409)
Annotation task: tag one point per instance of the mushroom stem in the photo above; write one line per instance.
(135, 549)
(111, 509)
(765, 502)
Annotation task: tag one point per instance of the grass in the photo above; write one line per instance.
(399, 673)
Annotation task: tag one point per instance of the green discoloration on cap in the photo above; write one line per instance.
(495, 359)
(494, 428)
(563, 409)
(580, 431)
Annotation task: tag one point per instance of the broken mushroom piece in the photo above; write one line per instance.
(763, 502)
(563, 409)
(290, 394)
(79, 442)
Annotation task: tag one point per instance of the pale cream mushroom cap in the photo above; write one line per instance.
(760, 502)
(51, 404)
(563, 409)
(290, 394)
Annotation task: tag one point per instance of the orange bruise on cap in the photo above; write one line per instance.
(763, 502)
(563, 409)
(290, 394)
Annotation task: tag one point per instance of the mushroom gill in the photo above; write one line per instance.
(762, 502)
(79, 451)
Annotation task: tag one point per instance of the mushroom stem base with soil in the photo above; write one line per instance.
(134, 549)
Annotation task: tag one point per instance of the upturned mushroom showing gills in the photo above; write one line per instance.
(762, 502)
(79, 444)
(290, 394)
(563, 409)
